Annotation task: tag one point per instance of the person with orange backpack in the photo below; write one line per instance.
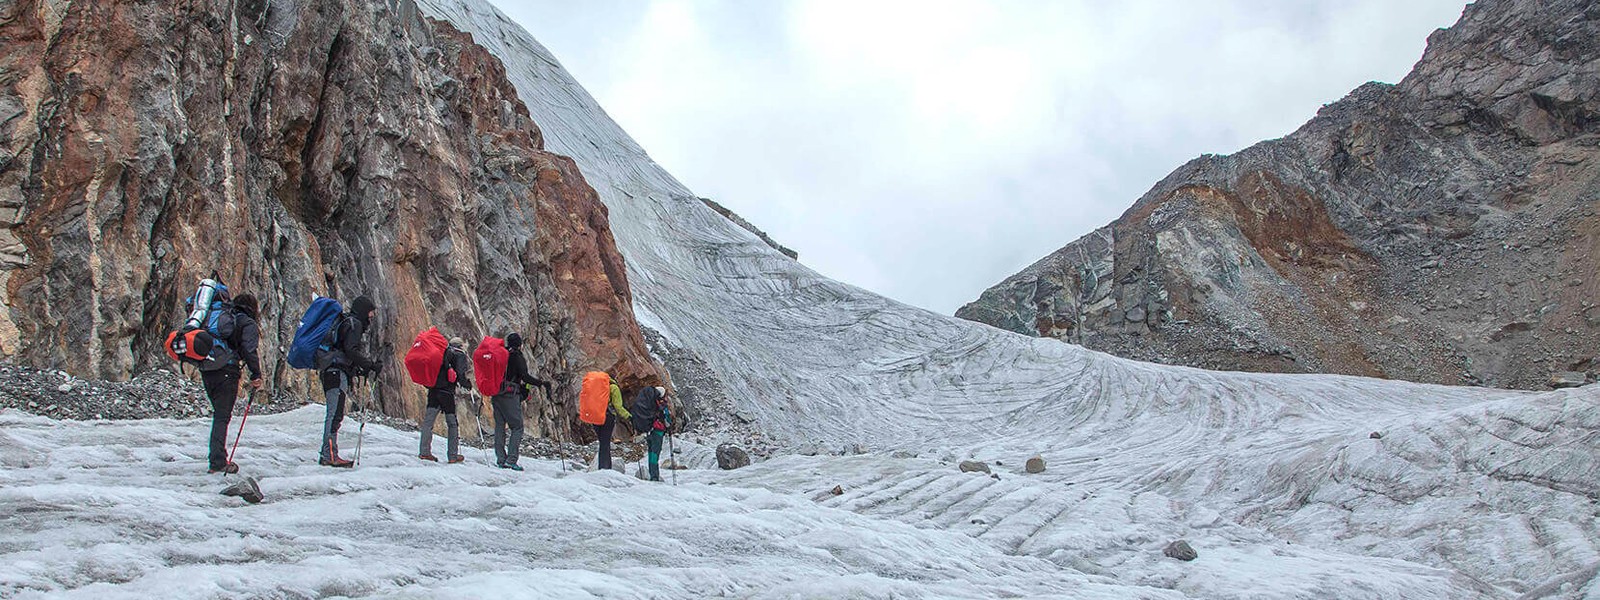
(593, 409)
(442, 399)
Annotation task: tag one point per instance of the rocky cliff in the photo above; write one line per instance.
(1440, 230)
(296, 147)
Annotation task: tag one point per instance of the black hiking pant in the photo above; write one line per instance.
(604, 431)
(222, 388)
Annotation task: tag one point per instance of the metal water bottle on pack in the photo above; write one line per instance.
(200, 303)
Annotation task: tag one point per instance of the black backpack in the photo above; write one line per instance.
(646, 409)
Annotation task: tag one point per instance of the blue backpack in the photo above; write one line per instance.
(318, 321)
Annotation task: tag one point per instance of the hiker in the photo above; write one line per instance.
(340, 358)
(222, 384)
(652, 413)
(616, 409)
(442, 399)
(508, 404)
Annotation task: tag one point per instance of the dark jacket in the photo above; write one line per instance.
(517, 375)
(246, 341)
(346, 353)
(454, 360)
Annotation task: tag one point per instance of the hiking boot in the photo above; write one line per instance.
(230, 469)
(511, 465)
(429, 457)
(337, 462)
(457, 458)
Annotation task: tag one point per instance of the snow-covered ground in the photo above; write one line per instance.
(123, 509)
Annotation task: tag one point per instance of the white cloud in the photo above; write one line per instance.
(928, 149)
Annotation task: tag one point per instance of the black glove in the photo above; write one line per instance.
(375, 366)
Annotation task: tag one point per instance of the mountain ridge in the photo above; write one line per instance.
(1364, 242)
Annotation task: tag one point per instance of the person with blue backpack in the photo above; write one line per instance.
(339, 358)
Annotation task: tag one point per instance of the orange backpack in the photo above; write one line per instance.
(594, 397)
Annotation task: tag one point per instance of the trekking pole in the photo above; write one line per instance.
(478, 420)
(247, 404)
(361, 431)
(672, 450)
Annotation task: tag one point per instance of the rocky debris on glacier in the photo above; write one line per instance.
(157, 394)
(709, 415)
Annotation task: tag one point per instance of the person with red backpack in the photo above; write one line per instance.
(222, 383)
(442, 399)
(507, 404)
(339, 358)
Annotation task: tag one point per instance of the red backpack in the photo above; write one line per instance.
(489, 365)
(426, 356)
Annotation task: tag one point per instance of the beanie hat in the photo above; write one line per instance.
(361, 307)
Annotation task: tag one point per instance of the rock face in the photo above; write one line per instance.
(1440, 230)
(341, 147)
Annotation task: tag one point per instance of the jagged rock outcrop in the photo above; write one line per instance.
(750, 227)
(338, 147)
(1440, 230)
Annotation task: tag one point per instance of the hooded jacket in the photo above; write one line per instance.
(517, 374)
(350, 334)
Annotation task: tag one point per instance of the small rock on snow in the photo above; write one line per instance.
(974, 466)
(1034, 465)
(1180, 550)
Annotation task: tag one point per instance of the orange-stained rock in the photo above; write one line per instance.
(344, 147)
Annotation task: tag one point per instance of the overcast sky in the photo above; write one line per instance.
(926, 150)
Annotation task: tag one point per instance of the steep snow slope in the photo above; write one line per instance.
(1499, 486)
(120, 510)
